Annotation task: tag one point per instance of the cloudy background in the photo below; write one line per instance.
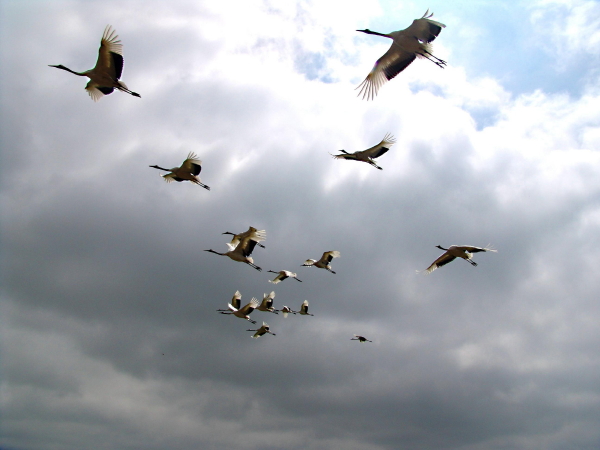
(109, 335)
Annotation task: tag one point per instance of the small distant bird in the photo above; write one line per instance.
(324, 262)
(408, 44)
(242, 252)
(104, 77)
(456, 251)
(287, 310)
(260, 235)
(267, 303)
(243, 313)
(304, 309)
(189, 170)
(371, 153)
(360, 338)
(264, 329)
(283, 274)
(235, 301)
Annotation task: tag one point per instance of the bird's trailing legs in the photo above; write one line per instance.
(434, 59)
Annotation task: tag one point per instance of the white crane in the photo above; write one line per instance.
(267, 303)
(360, 338)
(242, 313)
(456, 251)
(189, 170)
(264, 329)
(324, 262)
(369, 154)
(408, 44)
(304, 309)
(261, 235)
(282, 275)
(287, 310)
(242, 252)
(235, 301)
(104, 77)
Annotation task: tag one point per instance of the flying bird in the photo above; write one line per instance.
(406, 46)
(304, 309)
(267, 303)
(324, 262)
(235, 301)
(360, 338)
(264, 329)
(104, 77)
(260, 235)
(283, 274)
(243, 251)
(189, 170)
(456, 251)
(369, 154)
(287, 310)
(242, 313)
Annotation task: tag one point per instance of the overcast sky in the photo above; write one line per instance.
(110, 338)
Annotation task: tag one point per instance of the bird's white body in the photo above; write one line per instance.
(267, 303)
(282, 275)
(456, 251)
(406, 46)
(188, 171)
(324, 262)
(104, 77)
(369, 154)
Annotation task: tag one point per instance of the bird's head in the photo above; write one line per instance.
(365, 31)
(228, 232)
(441, 248)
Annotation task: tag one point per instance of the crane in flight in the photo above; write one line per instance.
(264, 329)
(369, 154)
(282, 275)
(242, 313)
(324, 262)
(456, 251)
(267, 303)
(360, 338)
(104, 77)
(243, 251)
(304, 309)
(406, 46)
(189, 170)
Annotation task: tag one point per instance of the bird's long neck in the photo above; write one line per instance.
(213, 251)
(160, 168)
(81, 74)
(229, 232)
(367, 31)
(441, 248)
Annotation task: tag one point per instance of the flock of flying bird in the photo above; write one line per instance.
(408, 44)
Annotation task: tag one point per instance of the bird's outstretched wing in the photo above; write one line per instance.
(328, 256)
(441, 261)
(110, 53)
(192, 164)
(424, 29)
(379, 149)
(476, 249)
(393, 62)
